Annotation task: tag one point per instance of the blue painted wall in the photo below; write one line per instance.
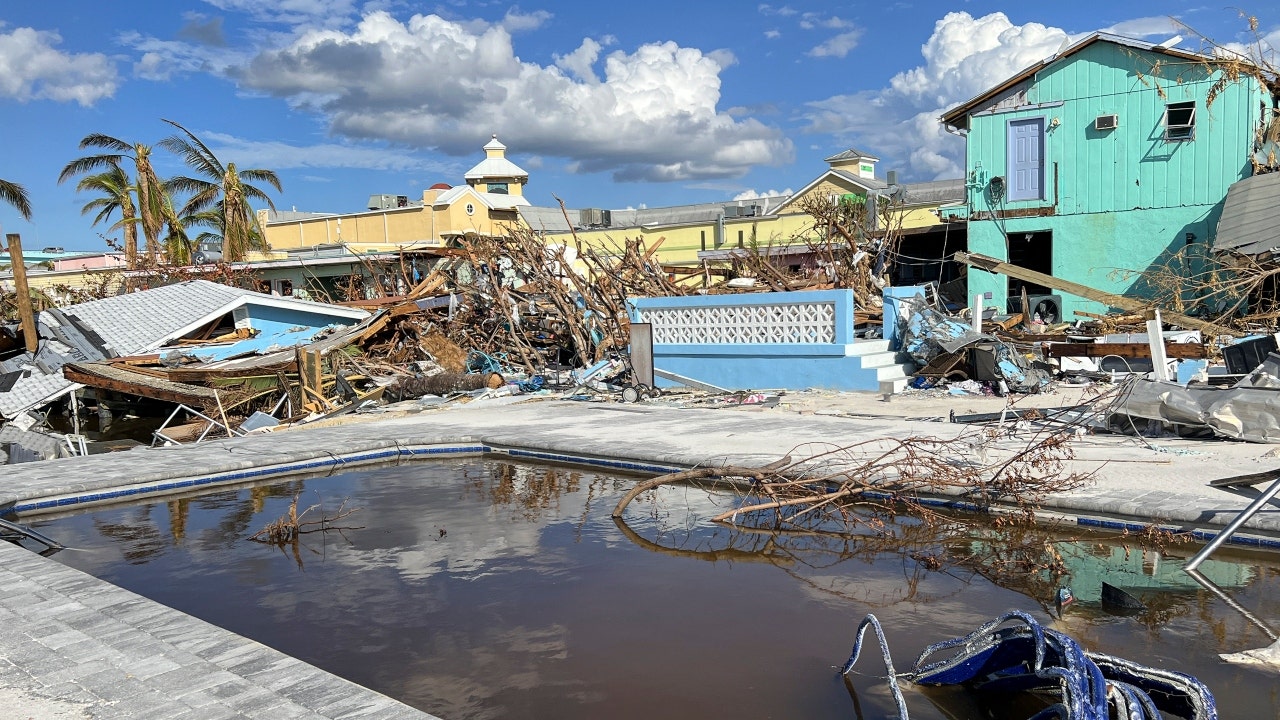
(740, 366)
(277, 328)
(1124, 200)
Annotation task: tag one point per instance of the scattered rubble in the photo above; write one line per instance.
(517, 315)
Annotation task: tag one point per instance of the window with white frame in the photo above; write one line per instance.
(1180, 121)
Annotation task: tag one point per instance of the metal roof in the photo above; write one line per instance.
(551, 220)
(869, 183)
(544, 219)
(851, 154)
(129, 323)
(959, 112)
(123, 325)
(1248, 225)
(495, 167)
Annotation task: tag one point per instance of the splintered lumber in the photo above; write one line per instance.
(431, 283)
(22, 295)
(1181, 351)
(1010, 322)
(310, 369)
(311, 379)
(1244, 480)
(123, 380)
(990, 264)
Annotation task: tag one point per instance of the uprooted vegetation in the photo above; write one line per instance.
(968, 502)
(528, 301)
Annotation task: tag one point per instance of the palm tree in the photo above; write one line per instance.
(116, 194)
(147, 185)
(14, 194)
(177, 246)
(223, 189)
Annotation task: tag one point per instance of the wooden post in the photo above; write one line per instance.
(23, 294)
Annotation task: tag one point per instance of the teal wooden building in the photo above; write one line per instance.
(1102, 162)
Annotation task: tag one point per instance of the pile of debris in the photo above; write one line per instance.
(517, 314)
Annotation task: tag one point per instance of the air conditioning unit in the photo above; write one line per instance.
(386, 202)
(595, 217)
(748, 211)
(1106, 122)
(1048, 307)
(732, 210)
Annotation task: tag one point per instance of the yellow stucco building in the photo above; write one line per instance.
(485, 205)
(715, 231)
(492, 200)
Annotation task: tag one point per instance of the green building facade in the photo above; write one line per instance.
(1102, 164)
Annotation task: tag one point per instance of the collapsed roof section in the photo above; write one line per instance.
(145, 321)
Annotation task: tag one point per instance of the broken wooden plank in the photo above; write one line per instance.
(1181, 351)
(123, 380)
(1250, 479)
(1128, 304)
(1008, 323)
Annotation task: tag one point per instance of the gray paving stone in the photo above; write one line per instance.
(147, 668)
(69, 692)
(112, 684)
(143, 704)
(73, 671)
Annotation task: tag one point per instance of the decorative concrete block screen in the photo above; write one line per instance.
(759, 340)
(776, 322)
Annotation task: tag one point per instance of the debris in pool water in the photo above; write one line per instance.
(290, 526)
(1015, 654)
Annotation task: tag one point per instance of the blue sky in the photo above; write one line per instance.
(605, 104)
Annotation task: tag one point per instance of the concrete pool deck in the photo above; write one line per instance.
(76, 646)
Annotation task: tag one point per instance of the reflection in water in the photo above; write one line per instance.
(532, 603)
(136, 533)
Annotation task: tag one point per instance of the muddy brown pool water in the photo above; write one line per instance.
(479, 589)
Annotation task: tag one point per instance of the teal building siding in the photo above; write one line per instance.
(1115, 202)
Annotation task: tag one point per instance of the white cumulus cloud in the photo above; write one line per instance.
(837, 46)
(964, 57)
(32, 68)
(516, 21)
(752, 194)
(1162, 26)
(162, 60)
(428, 82)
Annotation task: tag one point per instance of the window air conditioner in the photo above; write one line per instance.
(1106, 122)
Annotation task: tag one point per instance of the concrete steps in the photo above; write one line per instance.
(893, 369)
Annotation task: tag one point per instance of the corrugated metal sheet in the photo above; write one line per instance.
(1249, 223)
(111, 327)
(936, 192)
